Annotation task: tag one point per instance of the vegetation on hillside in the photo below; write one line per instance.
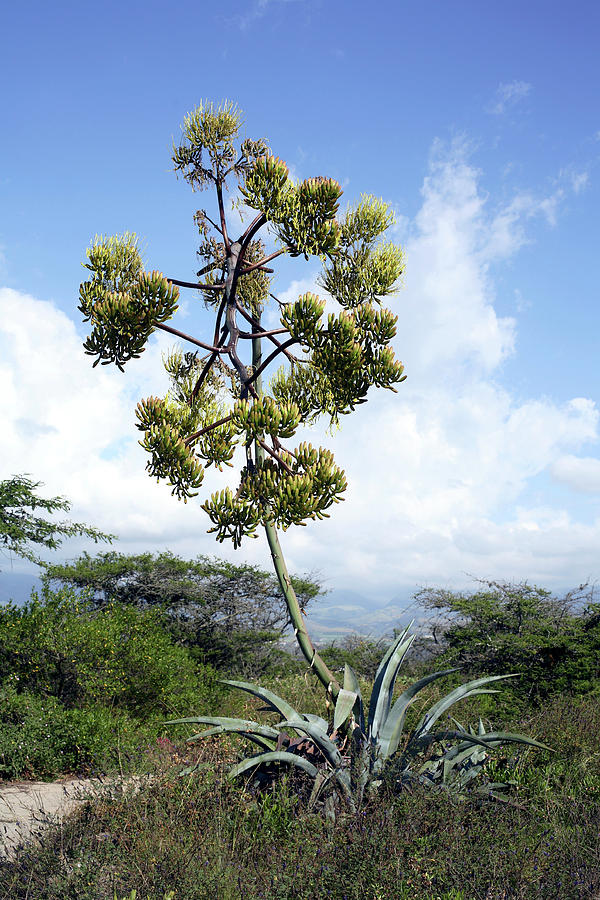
(86, 688)
(552, 642)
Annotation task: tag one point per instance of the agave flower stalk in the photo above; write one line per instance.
(216, 401)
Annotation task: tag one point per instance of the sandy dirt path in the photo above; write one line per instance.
(28, 807)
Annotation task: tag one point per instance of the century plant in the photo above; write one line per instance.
(349, 758)
(216, 401)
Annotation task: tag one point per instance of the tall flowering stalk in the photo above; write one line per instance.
(217, 398)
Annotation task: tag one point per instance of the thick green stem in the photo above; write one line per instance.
(321, 669)
(311, 655)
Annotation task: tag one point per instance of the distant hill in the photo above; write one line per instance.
(340, 613)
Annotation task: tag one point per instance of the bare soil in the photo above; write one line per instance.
(27, 808)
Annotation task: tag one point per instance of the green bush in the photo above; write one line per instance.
(39, 738)
(362, 654)
(59, 646)
(552, 642)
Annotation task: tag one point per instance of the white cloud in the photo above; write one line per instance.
(73, 428)
(578, 179)
(260, 8)
(508, 95)
(580, 473)
(447, 308)
(436, 475)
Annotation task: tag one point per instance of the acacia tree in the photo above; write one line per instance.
(217, 399)
(20, 527)
(231, 616)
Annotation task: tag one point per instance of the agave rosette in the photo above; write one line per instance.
(351, 755)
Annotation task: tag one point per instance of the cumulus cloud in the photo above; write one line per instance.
(73, 428)
(508, 95)
(436, 475)
(580, 473)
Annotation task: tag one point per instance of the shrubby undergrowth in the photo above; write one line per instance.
(203, 837)
(81, 687)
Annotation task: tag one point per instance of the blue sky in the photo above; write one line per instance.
(479, 123)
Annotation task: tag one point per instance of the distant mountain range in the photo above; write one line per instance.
(330, 618)
(341, 613)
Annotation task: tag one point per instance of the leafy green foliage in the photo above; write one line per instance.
(40, 738)
(363, 655)
(58, 645)
(20, 527)
(229, 616)
(552, 643)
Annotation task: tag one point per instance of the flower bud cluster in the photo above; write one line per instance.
(302, 318)
(269, 493)
(161, 422)
(304, 213)
(266, 186)
(122, 321)
(307, 224)
(265, 416)
(216, 446)
(315, 483)
(231, 517)
(170, 457)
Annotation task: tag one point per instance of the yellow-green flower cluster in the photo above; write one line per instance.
(269, 493)
(231, 517)
(122, 321)
(170, 457)
(304, 214)
(265, 416)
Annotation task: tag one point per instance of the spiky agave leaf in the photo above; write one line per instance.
(253, 736)
(316, 720)
(350, 680)
(351, 683)
(263, 735)
(273, 702)
(273, 757)
(471, 752)
(392, 728)
(495, 738)
(383, 688)
(344, 706)
(470, 689)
